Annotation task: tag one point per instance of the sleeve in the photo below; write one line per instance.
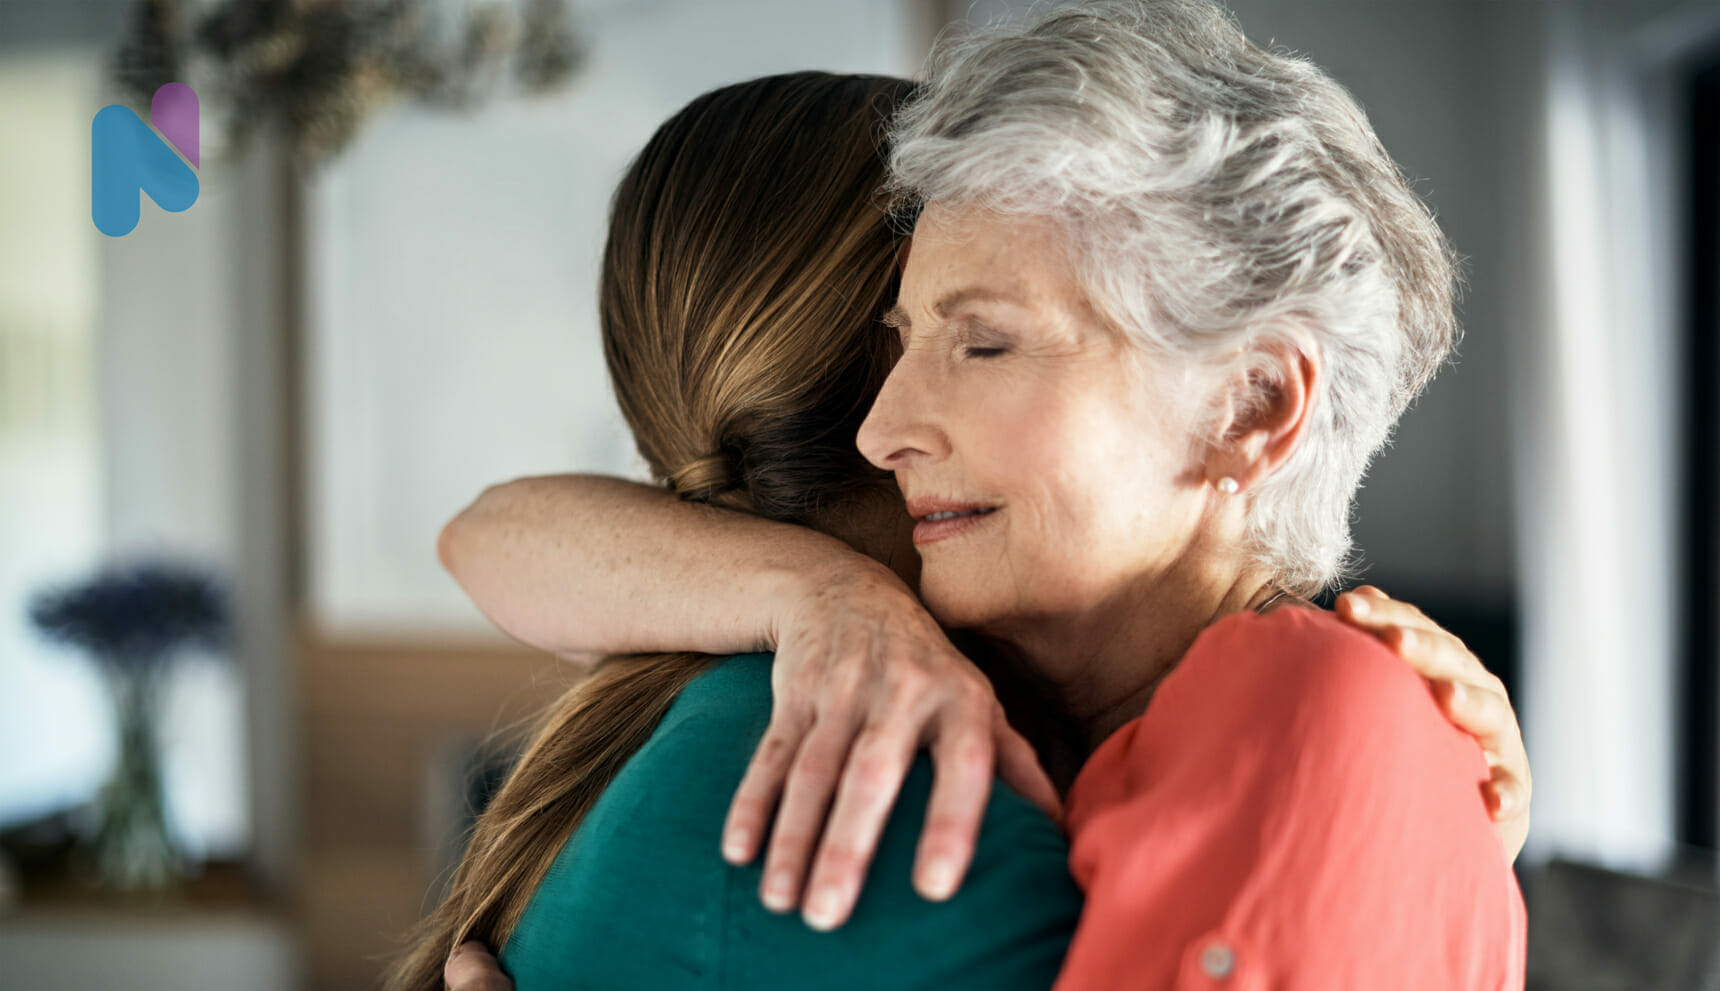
(1292, 812)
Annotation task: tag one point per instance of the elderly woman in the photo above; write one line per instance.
(1166, 297)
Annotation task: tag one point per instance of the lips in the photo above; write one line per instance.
(952, 515)
(925, 509)
(937, 519)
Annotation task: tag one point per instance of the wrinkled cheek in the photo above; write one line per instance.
(975, 578)
(1027, 561)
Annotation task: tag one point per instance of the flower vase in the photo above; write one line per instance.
(133, 850)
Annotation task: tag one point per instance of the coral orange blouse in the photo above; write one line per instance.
(1292, 812)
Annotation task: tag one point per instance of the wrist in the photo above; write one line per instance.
(804, 589)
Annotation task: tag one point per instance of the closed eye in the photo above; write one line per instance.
(983, 352)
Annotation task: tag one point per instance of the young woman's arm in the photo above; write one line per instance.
(584, 565)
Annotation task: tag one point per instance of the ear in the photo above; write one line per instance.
(1268, 406)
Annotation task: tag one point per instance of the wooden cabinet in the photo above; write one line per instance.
(381, 725)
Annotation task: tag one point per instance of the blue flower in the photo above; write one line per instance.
(136, 615)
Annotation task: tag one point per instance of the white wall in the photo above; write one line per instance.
(50, 456)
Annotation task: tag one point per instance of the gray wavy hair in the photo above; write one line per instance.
(1217, 198)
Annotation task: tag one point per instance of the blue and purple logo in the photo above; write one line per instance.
(126, 158)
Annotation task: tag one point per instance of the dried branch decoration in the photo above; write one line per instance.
(318, 69)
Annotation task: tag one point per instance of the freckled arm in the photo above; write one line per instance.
(585, 565)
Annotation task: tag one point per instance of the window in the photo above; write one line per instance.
(54, 725)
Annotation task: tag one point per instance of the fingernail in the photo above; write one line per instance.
(1457, 693)
(777, 888)
(735, 846)
(821, 909)
(1358, 604)
(1406, 637)
(940, 880)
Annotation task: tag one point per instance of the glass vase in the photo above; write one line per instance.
(133, 849)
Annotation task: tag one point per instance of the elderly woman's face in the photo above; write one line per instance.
(1050, 436)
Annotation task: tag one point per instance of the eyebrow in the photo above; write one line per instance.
(897, 315)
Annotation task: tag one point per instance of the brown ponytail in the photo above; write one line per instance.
(747, 264)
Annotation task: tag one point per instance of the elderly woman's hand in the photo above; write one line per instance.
(863, 678)
(1472, 697)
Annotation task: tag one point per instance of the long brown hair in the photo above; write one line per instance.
(748, 260)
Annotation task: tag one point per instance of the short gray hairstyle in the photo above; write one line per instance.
(1216, 197)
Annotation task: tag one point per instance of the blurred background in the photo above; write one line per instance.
(229, 438)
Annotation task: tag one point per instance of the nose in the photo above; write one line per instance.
(902, 426)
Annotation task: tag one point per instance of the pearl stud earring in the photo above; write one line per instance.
(1228, 485)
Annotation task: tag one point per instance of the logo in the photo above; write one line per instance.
(126, 158)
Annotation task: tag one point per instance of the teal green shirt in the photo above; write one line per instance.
(640, 897)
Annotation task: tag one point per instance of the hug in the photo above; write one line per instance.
(1077, 350)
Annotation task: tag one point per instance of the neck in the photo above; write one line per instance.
(1100, 667)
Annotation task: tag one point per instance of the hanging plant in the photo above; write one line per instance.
(319, 70)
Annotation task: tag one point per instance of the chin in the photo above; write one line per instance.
(956, 603)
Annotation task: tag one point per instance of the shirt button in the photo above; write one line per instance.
(1217, 961)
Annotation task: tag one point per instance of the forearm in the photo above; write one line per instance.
(586, 564)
